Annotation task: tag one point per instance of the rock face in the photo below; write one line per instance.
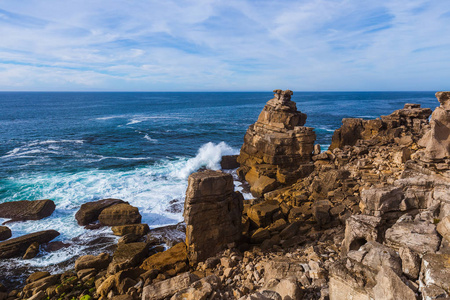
(5, 233)
(277, 146)
(175, 257)
(212, 213)
(18, 246)
(89, 212)
(410, 120)
(120, 214)
(27, 210)
(437, 140)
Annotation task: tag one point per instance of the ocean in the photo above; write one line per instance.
(75, 147)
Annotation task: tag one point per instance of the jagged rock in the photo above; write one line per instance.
(169, 235)
(377, 201)
(280, 268)
(39, 285)
(260, 235)
(167, 288)
(199, 290)
(263, 185)
(212, 213)
(136, 229)
(390, 287)
(27, 210)
(435, 274)
(229, 162)
(89, 212)
(37, 276)
(444, 228)
(359, 230)
(345, 284)
(321, 211)
(120, 214)
(98, 262)
(173, 258)
(261, 214)
(419, 236)
(287, 288)
(32, 251)
(127, 256)
(437, 140)
(277, 146)
(18, 246)
(410, 262)
(5, 233)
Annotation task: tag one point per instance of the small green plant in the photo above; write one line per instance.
(436, 221)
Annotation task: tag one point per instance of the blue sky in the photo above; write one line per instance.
(323, 45)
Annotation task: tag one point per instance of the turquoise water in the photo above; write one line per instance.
(140, 147)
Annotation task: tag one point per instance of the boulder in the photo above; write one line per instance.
(229, 162)
(89, 212)
(136, 229)
(437, 140)
(435, 274)
(37, 276)
(390, 286)
(168, 287)
(5, 233)
(419, 236)
(444, 228)
(32, 251)
(321, 211)
(277, 145)
(281, 268)
(120, 214)
(99, 262)
(287, 288)
(175, 257)
(27, 210)
(410, 262)
(198, 290)
(377, 201)
(127, 256)
(39, 285)
(212, 213)
(344, 283)
(263, 185)
(18, 246)
(261, 214)
(359, 229)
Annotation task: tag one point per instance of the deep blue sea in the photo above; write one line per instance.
(140, 147)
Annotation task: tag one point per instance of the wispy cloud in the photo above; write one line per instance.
(224, 45)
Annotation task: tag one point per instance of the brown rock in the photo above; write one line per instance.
(435, 272)
(200, 289)
(377, 201)
(136, 229)
(37, 276)
(261, 214)
(98, 262)
(167, 288)
(229, 162)
(410, 262)
(32, 251)
(263, 185)
(127, 256)
(359, 229)
(120, 214)
(390, 287)
(321, 211)
(163, 261)
(39, 285)
(278, 144)
(5, 233)
(212, 213)
(89, 212)
(27, 210)
(18, 246)
(444, 228)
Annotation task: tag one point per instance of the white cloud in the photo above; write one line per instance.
(224, 45)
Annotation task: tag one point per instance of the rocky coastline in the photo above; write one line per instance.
(367, 219)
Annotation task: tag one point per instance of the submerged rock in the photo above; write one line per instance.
(5, 233)
(27, 210)
(18, 246)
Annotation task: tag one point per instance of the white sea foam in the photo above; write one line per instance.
(38, 147)
(148, 138)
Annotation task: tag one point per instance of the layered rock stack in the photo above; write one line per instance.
(277, 149)
(212, 213)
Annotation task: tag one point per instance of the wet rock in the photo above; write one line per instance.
(32, 251)
(167, 288)
(98, 262)
(120, 214)
(229, 162)
(27, 210)
(89, 212)
(173, 258)
(390, 287)
(169, 235)
(5, 233)
(18, 246)
(127, 256)
(136, 229)
(212, 213)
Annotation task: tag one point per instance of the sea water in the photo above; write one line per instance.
(140, 147)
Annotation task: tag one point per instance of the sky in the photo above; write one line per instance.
(229, 45)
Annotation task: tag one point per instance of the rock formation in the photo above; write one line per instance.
(120, 214)
(212, 213)
(277, 149)
(89, 212)
(18, 246)
(5, 233)
(27, 210)
(437, 140)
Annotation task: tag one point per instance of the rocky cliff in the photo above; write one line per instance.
(277, 149)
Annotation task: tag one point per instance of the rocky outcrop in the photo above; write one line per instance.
(98, 262)
(212, 213)
(120, 214)
(437, 140)
(127, 256)
(89, 212)
(409, 121)
(27, 210)
(5, 233)
(174, 258)
(18, 246)
(136, 229)
(277, 146)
